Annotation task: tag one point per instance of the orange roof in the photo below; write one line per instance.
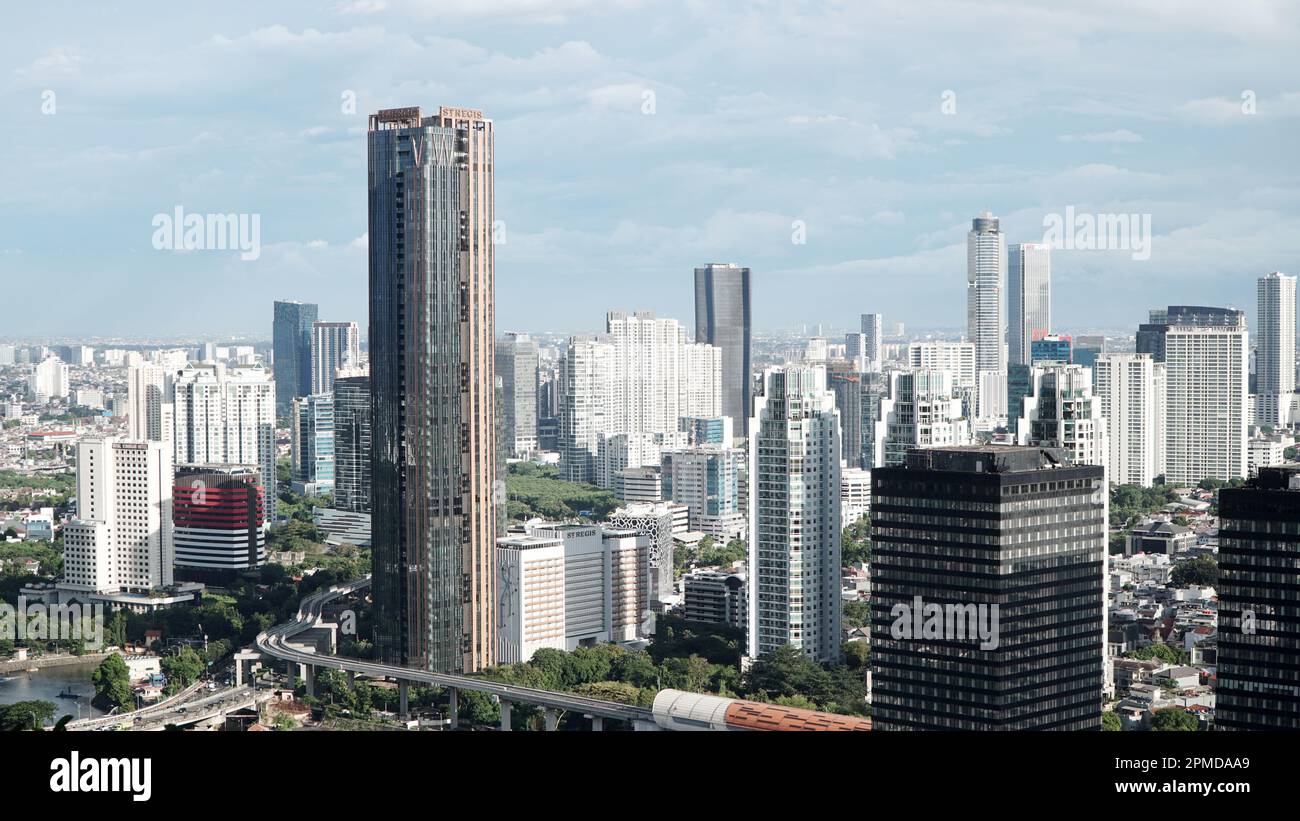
(750, 715)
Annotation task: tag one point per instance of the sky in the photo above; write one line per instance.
(638, 140)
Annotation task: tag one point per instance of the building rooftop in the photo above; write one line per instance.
(987, 459)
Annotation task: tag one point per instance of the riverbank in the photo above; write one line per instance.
(41, 662)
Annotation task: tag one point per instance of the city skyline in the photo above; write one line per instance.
(899, 159)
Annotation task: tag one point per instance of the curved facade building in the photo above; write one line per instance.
(218, 520)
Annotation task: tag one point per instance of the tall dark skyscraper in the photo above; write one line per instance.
(432, 383)
(352, 442)
(958, 532)
(723, 318)
(1259, 603)
(291, 344)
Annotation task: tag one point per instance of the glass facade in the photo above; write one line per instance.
(432, 387)
(722, 318)
(291, 346)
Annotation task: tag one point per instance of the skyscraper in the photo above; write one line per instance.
(924, 409)
(983, 617)
(334, 345)
(49, 379)
(1029, 297)
(291, 347)
(986, 271)
(227, 417)
(1275, 349)
(1259, 624)
(873, 341)
(149, 390)
(1206, 357)
(1131, 388)
(1060, 411)
(432, 381)
(516, 363)
(723, 318)
(311, 427)
(352, 441)
(795, 524)
(706, 478)
(122, 538)
(845, 381)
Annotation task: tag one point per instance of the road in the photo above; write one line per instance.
(273, 643)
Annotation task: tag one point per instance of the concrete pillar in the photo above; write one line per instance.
(310, 678)
(352, 679)
(505, 716)
(453, 708)
(239, 672)
(597, 724)
(644, 726)
(403, 700)
(550, 719)
(291, 671)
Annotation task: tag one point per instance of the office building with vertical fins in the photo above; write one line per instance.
(723, 318)
(334, 345)
(432, 335)
(1029, 298)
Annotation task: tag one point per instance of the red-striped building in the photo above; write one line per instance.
(218, 512)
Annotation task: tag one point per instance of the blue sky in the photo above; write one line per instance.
(764, 113)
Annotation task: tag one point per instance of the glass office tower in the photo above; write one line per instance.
(723, 318)
(432, 382)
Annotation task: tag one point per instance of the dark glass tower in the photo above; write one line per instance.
(966, 529)
(722, 318)
(1259, 603)
(291, 344)
(432, 384)
(352, 443)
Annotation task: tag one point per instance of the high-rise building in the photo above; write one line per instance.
(1131, 388)
(923, 410)
(149, 390)
(566, 586)
(845, 381)
(516, 363)
(624, 395)
(957, 357)
(873, 342)
(988, 591)
(1207, 372)
(220, 521)
(311, 428)
(706, 479)
(226, 416)
(1029, 297)
(659, 522)
(1051, 348)
(432, 379)
(1258, 587)
(723, 319)
(49, 379)
(794, 504)
(334, 345)
(352, 441)
(1060, 411)
(291, 347)
(1275, 380)
(986, 272)
(121, 540)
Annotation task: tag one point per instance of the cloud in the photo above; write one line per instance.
(1119, 135)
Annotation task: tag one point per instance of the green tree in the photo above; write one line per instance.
(1110, 721)
(1203, 571)
(182, 669)
(856, 654)
(25, 715)
(112, 681)
(1173, 719)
